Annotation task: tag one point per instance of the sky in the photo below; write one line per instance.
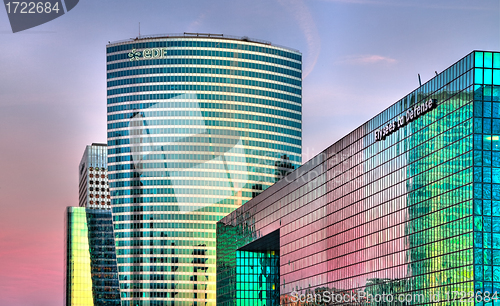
(359, 57)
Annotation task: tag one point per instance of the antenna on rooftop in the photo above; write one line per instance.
(139, 29)
(419, 80)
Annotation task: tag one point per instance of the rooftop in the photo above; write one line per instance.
(201, 35)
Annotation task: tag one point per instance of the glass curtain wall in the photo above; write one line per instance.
(404, 206)
(197, 126)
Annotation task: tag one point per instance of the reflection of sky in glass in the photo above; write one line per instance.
(191, 138)
(78, 276)
(222, 155)
(397, 217)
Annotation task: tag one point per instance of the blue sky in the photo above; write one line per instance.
(359, 57)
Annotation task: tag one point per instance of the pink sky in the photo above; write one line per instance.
(360, 56)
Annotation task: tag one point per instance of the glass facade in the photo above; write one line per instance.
(78, 280)
(197, 126)
(105, 286)
(257, 277)
(407, 206)
(91, 270)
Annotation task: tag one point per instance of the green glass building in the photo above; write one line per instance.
(91, 276)
(198, 124)
(404, 210)
(78, 281)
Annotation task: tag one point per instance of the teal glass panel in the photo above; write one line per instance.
(495, 143)
(486, 240)
(487, 125)
(488, 273)
(495, 208)
(478, 142)
(478, 76)
(495, 192)
(478, 224)
(487, 109)
(478, 174)
(478, 256)
(488, 60)
(496, 60)
(487, 208)
(487, 142)
(495, 112)
(478, 156)
(478, 272)
(478, 60)
(496, 257)
(478, 125)
(496, 278)
(478, 95)
(495, 128)
(487, 158)
(487, 223)
(495, 159)
(496, 77)
(478, 207)
(486, 191)
(488, 76)
(495, 224)
(487, 90)
(496, 240)
(487, 256)
(487, 175)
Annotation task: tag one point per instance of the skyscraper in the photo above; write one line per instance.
(198, 124)
(77, 280)
(93, 173)
(91, 277)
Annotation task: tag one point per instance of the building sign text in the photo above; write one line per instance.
(411, 114)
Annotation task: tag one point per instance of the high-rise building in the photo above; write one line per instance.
(404, 210)
(93, 173)
(77, 276)
(91, 275)
(198, 124)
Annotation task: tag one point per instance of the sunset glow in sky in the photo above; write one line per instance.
(359, 57)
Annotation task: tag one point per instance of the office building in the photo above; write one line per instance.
(77, 277)
(406, 206)
(93, 178)
(91, 274)
(198, 124)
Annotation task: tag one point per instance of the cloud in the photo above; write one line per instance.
(366, 60)
(306, 23)
(195, 24)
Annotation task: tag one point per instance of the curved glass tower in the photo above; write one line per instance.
(198, 124)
